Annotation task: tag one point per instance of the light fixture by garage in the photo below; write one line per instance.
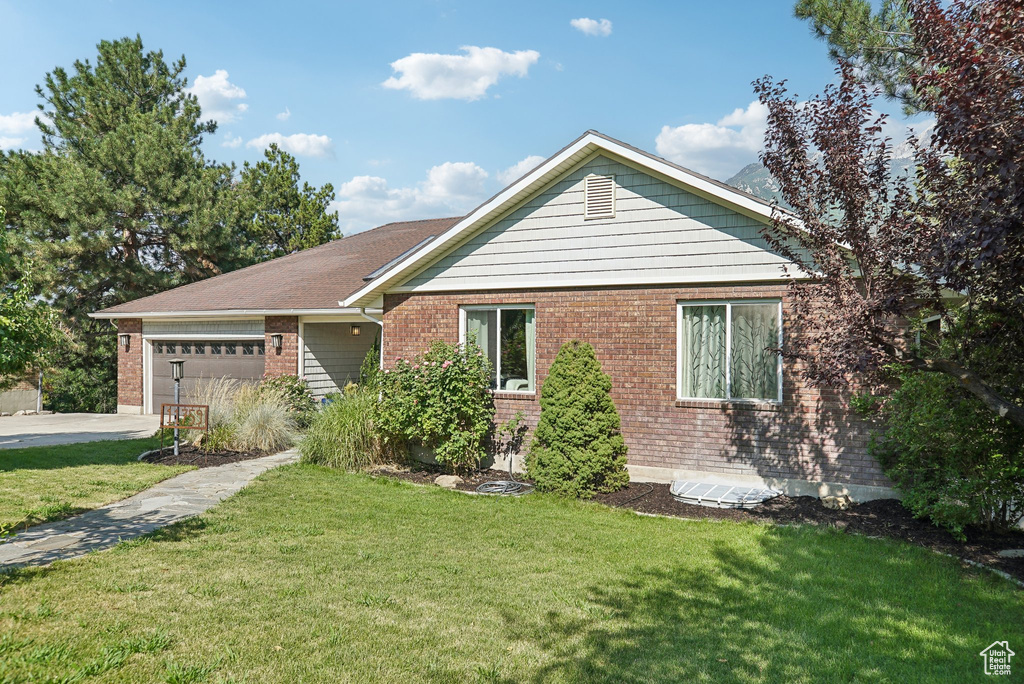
(276, 340)
(357, 330)
(124, 339)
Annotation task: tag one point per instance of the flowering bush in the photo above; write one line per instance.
(440, 401)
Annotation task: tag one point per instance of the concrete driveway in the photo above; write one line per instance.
(68, 428)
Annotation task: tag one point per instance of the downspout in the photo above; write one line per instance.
(362, 312)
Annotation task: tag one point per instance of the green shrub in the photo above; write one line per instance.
(577, 448)
(343, 434)
(296, 394)
(370, 368)
(955, 461)
(441, 401)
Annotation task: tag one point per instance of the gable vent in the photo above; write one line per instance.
(598, 197)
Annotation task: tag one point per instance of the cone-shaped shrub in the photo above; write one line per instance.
(577, 448)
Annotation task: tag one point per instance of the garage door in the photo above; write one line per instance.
(240, 359)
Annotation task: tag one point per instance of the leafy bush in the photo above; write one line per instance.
(296, 394)
(370, 368)
(441, 401)
(344, 435)
(955, 461)
(577, 448)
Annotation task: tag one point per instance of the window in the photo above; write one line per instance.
(200, 348)
(171, 348)
(248, 348)
(230, 348)
(186, 347)
(158, 347)
(215, 348)
(507, 336)
(261, 348)
(725, 351)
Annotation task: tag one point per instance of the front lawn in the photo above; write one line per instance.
(316, 575)
(42, 484)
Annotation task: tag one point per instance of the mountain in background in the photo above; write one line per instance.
(756, 180)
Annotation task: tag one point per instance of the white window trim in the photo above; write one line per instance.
(728, 304)
(497, 362)
(925, 321)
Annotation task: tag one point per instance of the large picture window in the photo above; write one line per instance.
(726, 351)
(507, 337)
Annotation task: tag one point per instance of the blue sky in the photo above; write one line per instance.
(416, 110)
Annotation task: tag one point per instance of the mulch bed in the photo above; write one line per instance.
(879, 518)
(190, 456)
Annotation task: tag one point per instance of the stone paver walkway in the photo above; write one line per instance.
(177, 498)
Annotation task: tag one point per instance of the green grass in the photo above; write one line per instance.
(316, 575)
(43, 484)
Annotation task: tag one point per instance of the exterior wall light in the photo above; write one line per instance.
(124, 339)
(177, 371)
(357, 330)
(276, 340)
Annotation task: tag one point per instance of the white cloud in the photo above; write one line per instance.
(299, 144)
(461, 77)
(517, 170)
(449, 189)
(13, 126)
(719, 149)
(285, 115)
(217, 96)
(592, 27)
(232, 142)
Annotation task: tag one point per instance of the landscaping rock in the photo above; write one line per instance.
(448, 481)
(837, 503)
(1011, 553)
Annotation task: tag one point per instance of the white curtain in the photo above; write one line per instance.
(531, 349)
(755, 367)
(481, 329)
(703, 355)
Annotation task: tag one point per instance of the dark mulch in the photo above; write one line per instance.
(879, 518)
(191, 456)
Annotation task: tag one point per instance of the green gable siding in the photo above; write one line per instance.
(659, 231)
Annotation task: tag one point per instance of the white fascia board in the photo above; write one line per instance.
(497, 284)
(586, 145)
(228, 313)
(493, 205)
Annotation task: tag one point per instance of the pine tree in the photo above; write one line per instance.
(879, 41)
(275, 215)
(121, 202)
(577, 448)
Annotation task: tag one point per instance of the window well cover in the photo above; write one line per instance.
(720, 495)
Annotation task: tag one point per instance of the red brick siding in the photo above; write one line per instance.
(633, 330)
(129, 363)
(283, 361)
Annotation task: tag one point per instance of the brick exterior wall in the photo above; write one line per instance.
(633, 330)
(129, 364)
(283, 361)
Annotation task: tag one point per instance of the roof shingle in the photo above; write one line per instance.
(316, 278)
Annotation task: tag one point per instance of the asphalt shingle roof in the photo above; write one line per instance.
(316, 278)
